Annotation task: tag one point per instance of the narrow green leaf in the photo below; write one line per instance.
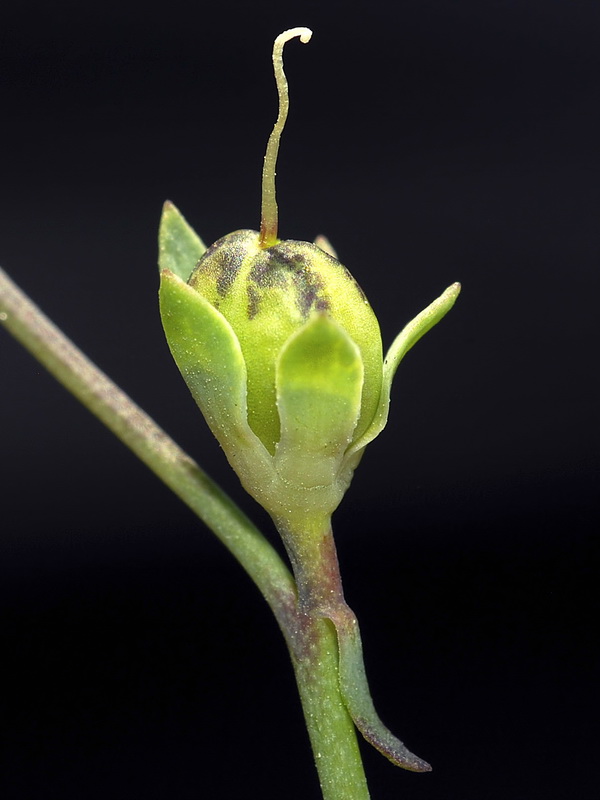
(179, 246)
(356, 694)
(405, 340)
(319, 378)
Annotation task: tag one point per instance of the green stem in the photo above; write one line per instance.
(312, 551)
(330, 727)
(315, 654)
(150, 443)
(311, 640)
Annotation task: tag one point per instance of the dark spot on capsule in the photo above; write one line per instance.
(296, 265)
(222, 260)
(264, 275)
(337, 265)
(311, 295)
(253, 301)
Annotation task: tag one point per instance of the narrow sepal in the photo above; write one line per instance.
(179, 246)
(208, 355)
(319, 378)
(325, 245)
(355, 692)
(405, 340)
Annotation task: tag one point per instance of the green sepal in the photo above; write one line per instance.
(209, 357)
(179, 246)
(319, 379)
(405, 340)
(326, 246)
(357, 697)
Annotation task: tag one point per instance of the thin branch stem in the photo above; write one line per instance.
(150, 443)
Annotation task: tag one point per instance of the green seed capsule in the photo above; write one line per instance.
(266, 294)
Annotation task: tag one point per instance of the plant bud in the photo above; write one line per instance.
(280, 348)
(267, 294)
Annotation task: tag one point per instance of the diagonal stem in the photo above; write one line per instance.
(150, 443)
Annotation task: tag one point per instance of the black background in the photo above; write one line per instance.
(432, 142)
